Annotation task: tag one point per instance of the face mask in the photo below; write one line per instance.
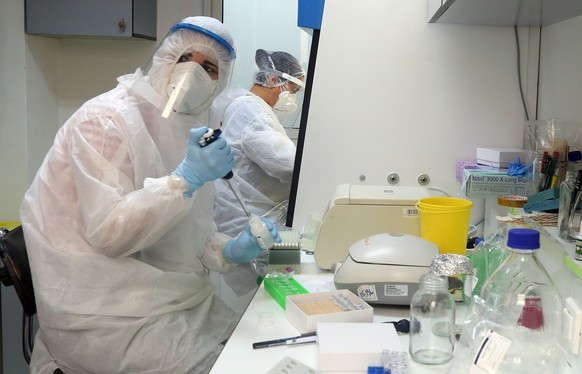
(191, 90)
(286, 103)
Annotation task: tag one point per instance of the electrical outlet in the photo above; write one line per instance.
(572, 325)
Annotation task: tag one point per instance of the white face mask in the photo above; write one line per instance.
(191, 90)
(287, 102)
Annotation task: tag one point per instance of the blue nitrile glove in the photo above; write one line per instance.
(517, 168)
(245, 248)
(204, 164)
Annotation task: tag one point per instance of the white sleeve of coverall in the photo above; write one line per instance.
(120, 218)
(212, 257)
(273, 151)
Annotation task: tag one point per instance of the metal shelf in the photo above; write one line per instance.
(503, 12)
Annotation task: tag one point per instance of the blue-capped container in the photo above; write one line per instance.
(521, 288)
(524, 299)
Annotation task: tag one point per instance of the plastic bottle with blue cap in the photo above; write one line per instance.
(525, 315)
(521, 290)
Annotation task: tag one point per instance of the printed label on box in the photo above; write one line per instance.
(395, 290)
(490, 184)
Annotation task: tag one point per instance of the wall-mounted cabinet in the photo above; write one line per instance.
(92, 18)
(503, 12)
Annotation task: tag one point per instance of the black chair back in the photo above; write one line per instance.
(16, 269)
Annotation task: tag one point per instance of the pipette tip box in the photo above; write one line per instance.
(285, 256)
(306, 311)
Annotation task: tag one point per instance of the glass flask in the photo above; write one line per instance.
(432, 321)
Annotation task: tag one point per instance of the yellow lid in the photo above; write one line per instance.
(513, 201)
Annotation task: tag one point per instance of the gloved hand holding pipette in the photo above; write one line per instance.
(204, 161)
(250, 244)
(260, 231)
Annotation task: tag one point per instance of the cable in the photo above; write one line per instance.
(25, 340)
(30, 320)
(402, 326)
(439, 190)
(519, 73)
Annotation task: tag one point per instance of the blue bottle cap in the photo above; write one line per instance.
(523, 239)
(574, 156)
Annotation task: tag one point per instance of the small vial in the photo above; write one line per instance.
(260, 231)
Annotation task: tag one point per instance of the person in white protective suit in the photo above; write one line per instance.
(119, 225)
(264, 153)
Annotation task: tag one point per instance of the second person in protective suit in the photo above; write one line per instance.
(119, 225)
(264, 153)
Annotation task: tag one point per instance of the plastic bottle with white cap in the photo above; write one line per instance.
(521, 289)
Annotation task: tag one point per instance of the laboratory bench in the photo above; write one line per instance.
(238, 356)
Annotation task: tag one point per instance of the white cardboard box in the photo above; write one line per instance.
(501, 157)
(305, 311)
(354, 346)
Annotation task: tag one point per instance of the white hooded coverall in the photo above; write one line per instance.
(119, 257)
(265, 157)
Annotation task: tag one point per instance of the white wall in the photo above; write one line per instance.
(394, 93)
(561, 71)
(12, 109)
(13, 156)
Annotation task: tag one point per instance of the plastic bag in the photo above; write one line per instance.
(552, 135)
(488, 346)
(486, 258)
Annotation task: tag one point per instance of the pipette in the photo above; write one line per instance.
(259, 228)
(210, 136)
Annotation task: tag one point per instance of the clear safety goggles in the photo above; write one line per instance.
(286, 76)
